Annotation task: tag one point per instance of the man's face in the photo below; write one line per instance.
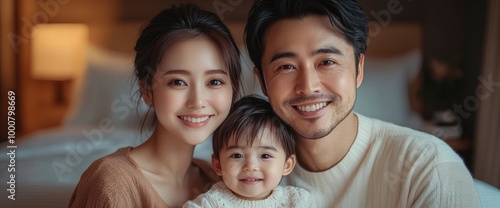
(310, 74)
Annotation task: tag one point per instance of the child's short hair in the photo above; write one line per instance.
(247, 119)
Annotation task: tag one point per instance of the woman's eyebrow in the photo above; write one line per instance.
(216, 71)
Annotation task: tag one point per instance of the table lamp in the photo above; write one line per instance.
(58, 53)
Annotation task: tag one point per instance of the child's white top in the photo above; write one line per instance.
(282, 196)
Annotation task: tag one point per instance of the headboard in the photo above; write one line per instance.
(394, 40)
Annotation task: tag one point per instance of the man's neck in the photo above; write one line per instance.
(322, 154)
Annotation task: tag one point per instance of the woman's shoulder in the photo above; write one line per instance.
(104, 173)
(108, 180)
(115, 181)
(113, 164)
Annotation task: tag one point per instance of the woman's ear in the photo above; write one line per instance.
(361, 69)
(289, 165)
(216, 165)
(261, 80)
(146, 93)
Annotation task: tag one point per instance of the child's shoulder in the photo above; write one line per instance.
(294, 196)
(292, 191)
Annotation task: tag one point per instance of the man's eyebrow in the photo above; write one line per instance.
(282, 55)
(331, 50)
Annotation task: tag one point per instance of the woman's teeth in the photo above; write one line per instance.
(195, 120)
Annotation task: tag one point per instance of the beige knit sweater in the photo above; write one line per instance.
(391, 166)
(117, 181)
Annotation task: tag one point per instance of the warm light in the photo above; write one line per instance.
(59, 51)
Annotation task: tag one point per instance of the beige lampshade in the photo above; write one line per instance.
(59, 51)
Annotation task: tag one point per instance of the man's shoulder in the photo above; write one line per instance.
(410, 142)
(393, 133)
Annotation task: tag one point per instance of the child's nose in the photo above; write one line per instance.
(251, 166)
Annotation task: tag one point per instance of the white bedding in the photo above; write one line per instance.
(49, 163)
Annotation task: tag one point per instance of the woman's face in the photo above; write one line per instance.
(191, 90)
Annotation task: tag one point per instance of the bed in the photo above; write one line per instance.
(105, 117)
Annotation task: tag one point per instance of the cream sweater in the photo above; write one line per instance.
(221, 196)
(391, 166)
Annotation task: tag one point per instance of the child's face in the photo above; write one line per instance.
(252, 172)
(191, 91)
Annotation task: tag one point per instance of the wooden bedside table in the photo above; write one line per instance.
(459, 144)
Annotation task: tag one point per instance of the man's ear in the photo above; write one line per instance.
(361, 70)
(261, 80)
(216, 165)
(146, 93)
(289, 165)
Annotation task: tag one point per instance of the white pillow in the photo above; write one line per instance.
(383, 93)
(249, 80)
(107, 93)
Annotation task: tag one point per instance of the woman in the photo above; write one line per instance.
(188, 69)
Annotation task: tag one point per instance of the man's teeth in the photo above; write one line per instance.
(195, 120)
(309, 108)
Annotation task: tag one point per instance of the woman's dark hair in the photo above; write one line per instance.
(177, 24)
(247, 120)
(346, 17)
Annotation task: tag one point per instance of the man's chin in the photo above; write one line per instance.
(314, 134)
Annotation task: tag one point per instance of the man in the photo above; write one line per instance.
(309, 57)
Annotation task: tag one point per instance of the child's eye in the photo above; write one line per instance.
(177, 82)
(215, 82)
(265, 156)
(236, 155)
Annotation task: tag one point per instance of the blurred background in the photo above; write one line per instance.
(53, 51)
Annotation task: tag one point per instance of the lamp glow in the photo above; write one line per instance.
(59, 51)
